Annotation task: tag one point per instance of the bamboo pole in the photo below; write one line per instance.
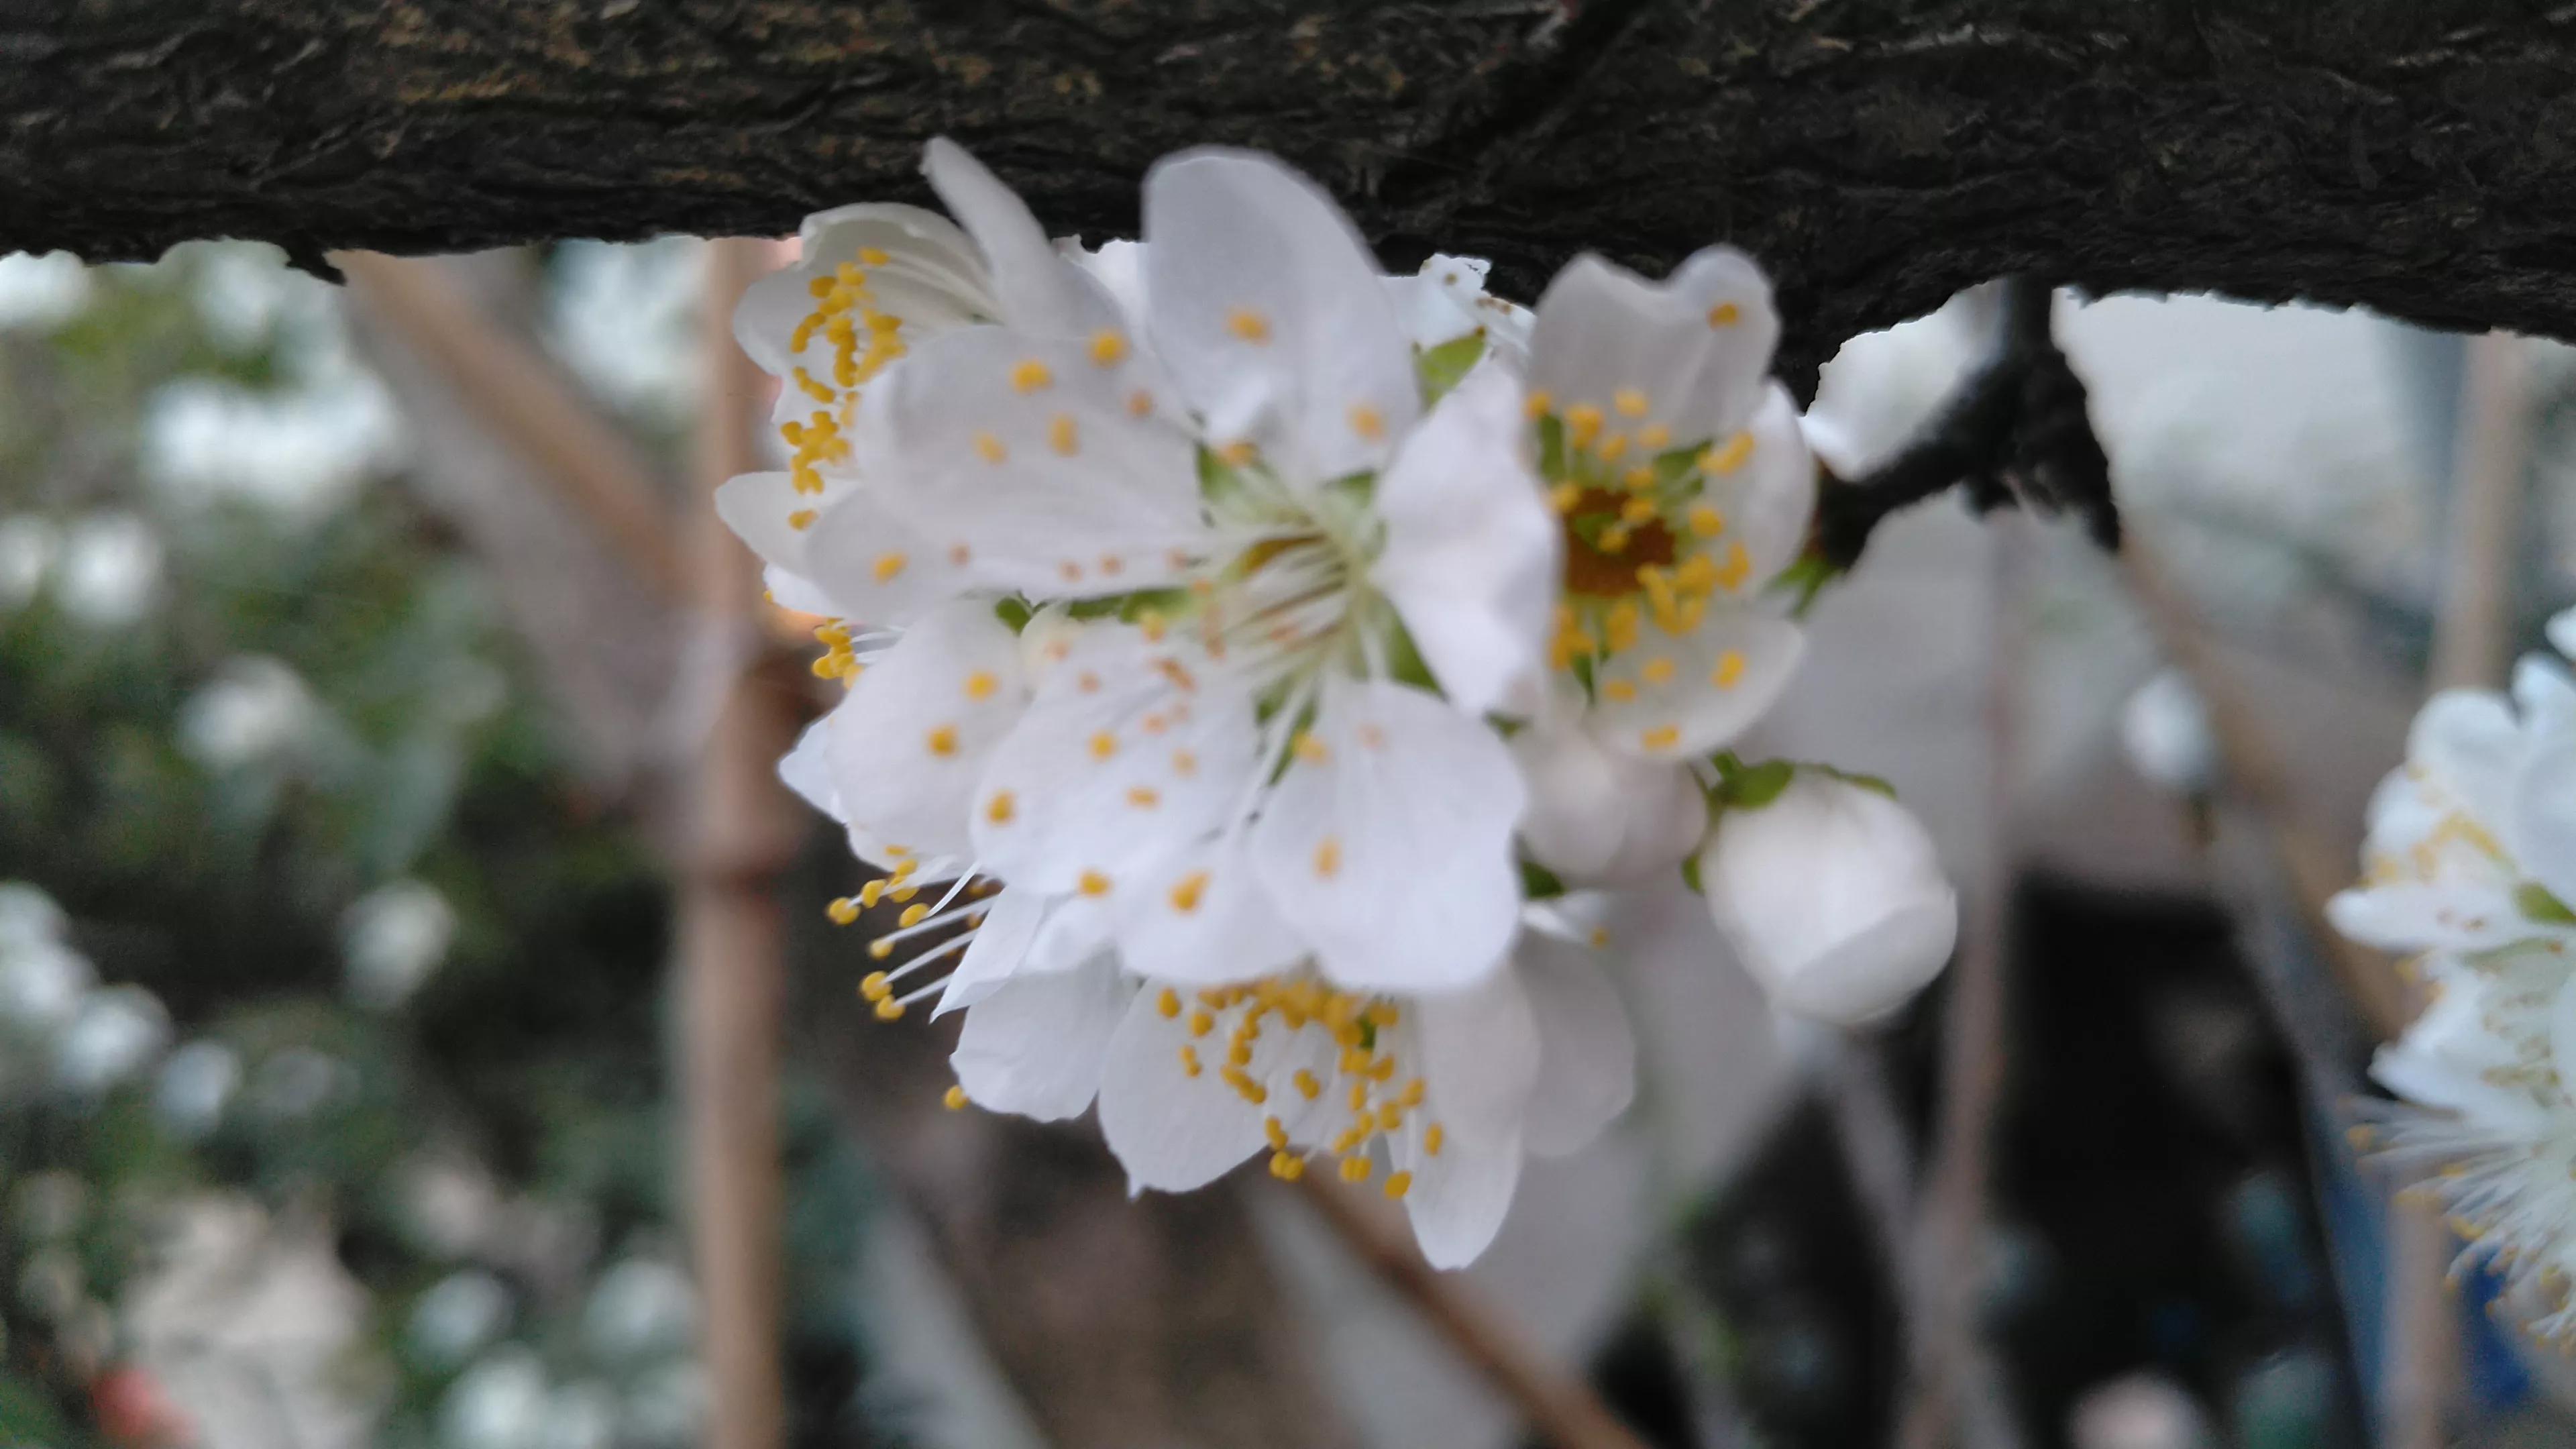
(743, 829)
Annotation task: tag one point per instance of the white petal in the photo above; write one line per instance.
(798, 593)
(2562, 633)
(807, 769)
(1021, 453)
(1768, 498)
(1118, 265)
(861, 561)
(1459, 1199)
(932, 279)
(2409, 916)
(1000, 945)
(911, 738)
(1170, 1130)
(2468, 741)
(1480, 1057)
(1039, 290)
(1392, 855)
(1587, 1067)
(2546, 696)
(2544, 820)
(1603, 330)
(1036, 1045)
(1673, 698)
(1599, 815)
(1268, 311)
(1472, 553)
(1116, 766)
(1202, 917)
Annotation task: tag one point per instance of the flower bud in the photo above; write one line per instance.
(1597, 816)
(1832, 896)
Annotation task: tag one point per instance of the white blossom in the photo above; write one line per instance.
(1832, 896)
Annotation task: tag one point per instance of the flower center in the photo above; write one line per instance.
(1263, 1041)
(863, 340)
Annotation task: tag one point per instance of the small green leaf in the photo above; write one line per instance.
(2539, 905)
(1750, 787)
(1538, 883)
(1441, 367)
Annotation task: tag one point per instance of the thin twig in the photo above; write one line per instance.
(526, 401)
(1560, 1407)
(2015, 431)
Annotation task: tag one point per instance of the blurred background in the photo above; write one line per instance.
(419, 1024)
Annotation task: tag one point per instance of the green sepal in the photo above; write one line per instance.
(1538, 883)
(1014, 612)
(1804, 579)
(2537, 904)
(1441, 368)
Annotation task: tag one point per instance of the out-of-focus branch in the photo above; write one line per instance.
(2017, 430)
(1559, 1407)
(527, 402)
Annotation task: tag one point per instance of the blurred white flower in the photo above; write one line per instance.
(41, 291)
(196, 1084)
(457, 1316)
(1599, 815)
(1833, 897)
(450, 1206)
(28, 547)
(2164, 729)
(581, 1416)
(297, 1082)
(117, 1033)
(392, 938)
(641, 1309)
(300, 453)
(624, 315)
(2139, 1411)
(49, 1204)
(244, 290)
(666, 1410)
(27, 915)
(42, 984)
(256, 710)
(500, 1403)
(109, 573)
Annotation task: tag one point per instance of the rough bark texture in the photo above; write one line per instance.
(2415, 155)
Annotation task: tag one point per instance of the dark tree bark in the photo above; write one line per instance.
(2415, 155)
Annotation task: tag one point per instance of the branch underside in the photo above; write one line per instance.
(1877, 155)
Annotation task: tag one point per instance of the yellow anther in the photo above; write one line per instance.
(1062, 435)
(1738, 568)
(1390, 1117)
(913, 915)
(871, 893)
(1637, 511)
(1359, 1090)
(874, 986)
(802, 519)
(1600, 937)
(1030, 375)
(1582, 424)
(1639, 479)
(1276, 1132)
(981, 684)
(1108, 347)
(1168, 1003)
(1661, 737)
(1630, 402)
(1310, 749)
(1201, 1023)
(1356, 1169)
(1287, 1167)
(1328, 858)
(1621, 625)
(1001, 807)
(954, 1099)
(1432, 1137)
(990, 449)
(1151, 621)
(1706, 522)
(1398, 1184)
(889, 565)
(1655, 437)
(1729, 456)
(819, 286)
(1614, 539)
(1186, 894)
(1414, 1092)
(1103, 745)
(1238, 454)
(1184, 763)
(1093, 883)
(1143, 797)
(1368, 422)
(900, 894)
(878, 950)
(1381, 1069)
(1307, 1086)
(1612, 448)
(873, 256)
(1564, 496)
(1724, 314)
(1189, 1060)
(943, 740)
(1248, 324)
(1619, 691)
(1239, 1053)
(842, 910)
(1538, 402)
(1658, 671)
(889, 1009)
(1139, 403)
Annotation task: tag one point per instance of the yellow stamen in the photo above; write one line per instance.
(1249, 325)
(981, 684)
(1368, 422)
(1000, 808)
(943, 740)
(1328, 858)
(1030, 375)
(1108, 348)
(990, 449)
(1185, 894)
(954, 1099)
(1062, 436)
(1724, 314)
(1093, 883)
(889, 565)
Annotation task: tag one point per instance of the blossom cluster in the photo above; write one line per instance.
(2469, 867)
(1257, 663)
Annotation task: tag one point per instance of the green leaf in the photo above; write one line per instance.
(1538, 883)
(2538, 904)
(1441, 367)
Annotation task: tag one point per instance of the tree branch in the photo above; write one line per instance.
(1878, 155)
